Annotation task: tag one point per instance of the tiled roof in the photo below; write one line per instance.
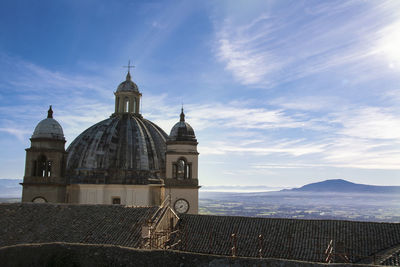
(296, 239)
(392, 260)
(90, 224)
(284, 238)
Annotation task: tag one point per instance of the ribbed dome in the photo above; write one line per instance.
(49, 128)
(123, 149)
(128, 85)
(182, 131)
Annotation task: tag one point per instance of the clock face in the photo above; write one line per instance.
(181, 205)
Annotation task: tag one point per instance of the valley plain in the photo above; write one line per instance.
(304, 205)
(331, 199)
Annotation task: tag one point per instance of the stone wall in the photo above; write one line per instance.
(76, 255)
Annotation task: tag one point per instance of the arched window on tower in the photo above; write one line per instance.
(126, 105)
(181, 170)
(42, 162)
(43, 167)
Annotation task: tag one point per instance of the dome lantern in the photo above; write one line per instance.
(127, 96)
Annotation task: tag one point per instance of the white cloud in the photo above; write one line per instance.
(307, 103)
(287, 166)
(295, 148)
(371, 123)
(284, 45)
(242, 50)
(359, 153)
(20, 134)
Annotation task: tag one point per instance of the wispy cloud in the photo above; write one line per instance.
(283, 45)
(19, 133)
(362, 153)
(371, 123)
(292, 148)
(243, 52)
(35, 88)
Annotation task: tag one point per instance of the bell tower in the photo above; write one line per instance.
(44, 179)
(181, 181)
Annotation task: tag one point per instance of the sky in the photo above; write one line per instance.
(279, 93)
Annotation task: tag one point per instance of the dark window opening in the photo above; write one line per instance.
(42, 167)
(181, 170)
(116, 200)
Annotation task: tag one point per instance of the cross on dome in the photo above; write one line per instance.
(129, 65)
(128, 76)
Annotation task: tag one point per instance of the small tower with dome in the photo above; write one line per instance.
(181, 182)
(44, 179)
(127, 97)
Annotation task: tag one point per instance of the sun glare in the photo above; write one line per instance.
(389, 45)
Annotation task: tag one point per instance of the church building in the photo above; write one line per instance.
(124, 159)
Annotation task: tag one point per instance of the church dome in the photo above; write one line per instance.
(128, 85)
(124, 149)
(182, 131)
(48, 128)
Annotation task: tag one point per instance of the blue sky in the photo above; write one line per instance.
(280, 93)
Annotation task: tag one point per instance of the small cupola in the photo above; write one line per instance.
(182, 131)
(127, 96)
(48, 128)
(128, 85)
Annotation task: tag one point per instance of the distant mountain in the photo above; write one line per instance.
(10, 188)
(343, 186)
